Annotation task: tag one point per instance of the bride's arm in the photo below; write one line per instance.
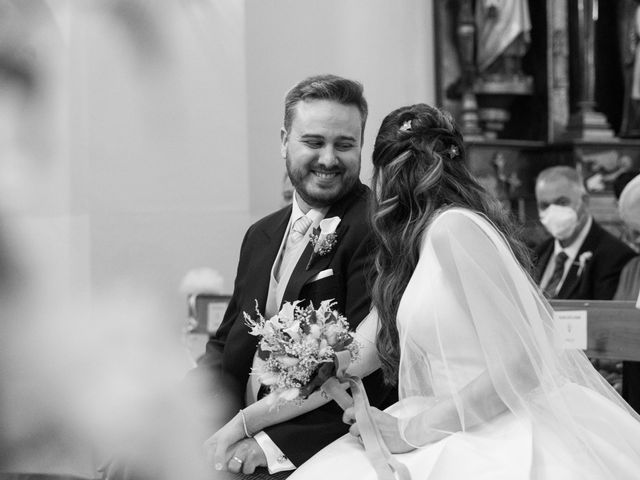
(474, 404)
(507, 321)
(477, 402)
(505, 318)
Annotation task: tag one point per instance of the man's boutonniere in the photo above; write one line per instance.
(582, 261)
(323, 238)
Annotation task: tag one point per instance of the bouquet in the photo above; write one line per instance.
(310, 348)
(301, 343)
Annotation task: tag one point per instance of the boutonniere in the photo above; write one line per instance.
(323, 238)
(582, 261)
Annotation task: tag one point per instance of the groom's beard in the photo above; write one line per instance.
(316, 192)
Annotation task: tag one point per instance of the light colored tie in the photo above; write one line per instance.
(296, 234)
(281, 271)
(299, 230)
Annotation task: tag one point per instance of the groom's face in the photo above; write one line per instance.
(322, 151)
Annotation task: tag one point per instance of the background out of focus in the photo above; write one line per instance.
(140, 138)
(163, 118)
(138, 141)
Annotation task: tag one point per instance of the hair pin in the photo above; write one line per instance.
(406, 126)
(453, 152)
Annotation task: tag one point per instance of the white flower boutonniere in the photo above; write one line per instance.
(324, 238)
(582, 261)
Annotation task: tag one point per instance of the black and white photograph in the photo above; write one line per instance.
(319, 239)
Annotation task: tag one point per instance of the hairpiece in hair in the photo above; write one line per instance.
(406, 126)
(453, 152)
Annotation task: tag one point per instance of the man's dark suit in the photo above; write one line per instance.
(233, 349)
(599, 279)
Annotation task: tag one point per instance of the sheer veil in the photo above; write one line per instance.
(503, 356)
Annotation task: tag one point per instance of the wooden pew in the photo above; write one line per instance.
(205, 312)
(613, 327)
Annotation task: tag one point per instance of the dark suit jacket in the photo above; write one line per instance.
(599, 279)
(232, 349)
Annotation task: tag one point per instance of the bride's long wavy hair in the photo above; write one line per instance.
(419, 169)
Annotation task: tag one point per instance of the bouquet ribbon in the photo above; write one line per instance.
(387, 467)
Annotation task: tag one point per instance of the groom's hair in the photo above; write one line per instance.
(326, 87)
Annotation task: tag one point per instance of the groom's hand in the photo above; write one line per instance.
(250, 455)
(219, 447)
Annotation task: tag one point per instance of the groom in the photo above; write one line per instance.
(321, 142)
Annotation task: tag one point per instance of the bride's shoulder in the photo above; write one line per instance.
(454, 218)
(451, 222)
(469, 229)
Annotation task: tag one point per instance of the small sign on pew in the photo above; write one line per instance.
(206, 312)
(215, 312)
(572, 325)
(613, 327)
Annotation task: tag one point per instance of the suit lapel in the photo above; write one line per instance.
(301, 274)
(264, 247)
(263, 264)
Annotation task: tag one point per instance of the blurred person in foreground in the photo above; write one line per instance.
(581, 260)
(629, 286)
(38, 433)
(86, 372)
(485, 389)
(321, 143)
(16, 89)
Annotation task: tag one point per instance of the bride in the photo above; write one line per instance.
(485, 391)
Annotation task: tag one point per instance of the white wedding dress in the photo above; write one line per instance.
(477, 338)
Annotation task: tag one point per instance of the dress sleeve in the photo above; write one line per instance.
(504, 306)
(365, 334)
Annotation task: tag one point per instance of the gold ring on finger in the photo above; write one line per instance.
(239, 460)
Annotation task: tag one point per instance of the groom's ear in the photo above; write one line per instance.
(284, 140)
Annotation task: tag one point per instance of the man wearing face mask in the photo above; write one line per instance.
(581, 260)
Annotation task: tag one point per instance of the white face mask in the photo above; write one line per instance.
(559, 221)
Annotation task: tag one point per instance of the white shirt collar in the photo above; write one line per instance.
(573, 249)
(315, 214)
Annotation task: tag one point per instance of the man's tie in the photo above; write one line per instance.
(297, 233)
(288, 255)
(556, 276)
(299, 229)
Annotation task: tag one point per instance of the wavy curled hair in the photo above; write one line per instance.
(419, 169)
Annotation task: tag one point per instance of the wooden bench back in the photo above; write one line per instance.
(613, 327)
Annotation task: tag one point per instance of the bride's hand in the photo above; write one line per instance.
(216, 446)
(387, 425)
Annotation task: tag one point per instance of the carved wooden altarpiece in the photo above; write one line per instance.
(558, 100)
